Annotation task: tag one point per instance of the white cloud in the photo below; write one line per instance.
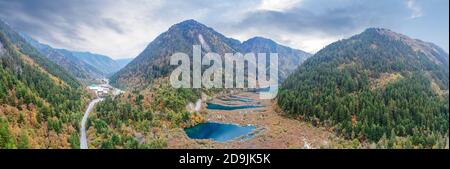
(142, 21)
(138, 24)
(122, 28)
(278, 5)
(308, 42)
(416, 10)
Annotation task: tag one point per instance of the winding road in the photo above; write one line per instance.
(83, 141)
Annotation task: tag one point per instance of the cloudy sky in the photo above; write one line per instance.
(123, 28)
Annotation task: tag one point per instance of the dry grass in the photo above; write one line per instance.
(274, 130)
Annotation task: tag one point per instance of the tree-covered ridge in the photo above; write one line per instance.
(142, 119)
(64, 59)
(40, 105)
(371, 87)
(25, 48)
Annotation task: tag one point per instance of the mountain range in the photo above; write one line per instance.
(83, 65)
(153, 62)
(378, 86)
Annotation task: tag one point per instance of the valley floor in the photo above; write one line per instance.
(274, 131)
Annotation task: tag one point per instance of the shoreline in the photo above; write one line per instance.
(277, 131)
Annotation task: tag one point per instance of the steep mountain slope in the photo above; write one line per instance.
(123, 62)
(66, 60)
(153, 62)
(288, 59)
(83, 65)
(40, 103)
(374, 85)
(2, 49)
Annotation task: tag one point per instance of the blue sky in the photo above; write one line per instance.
(122, 28)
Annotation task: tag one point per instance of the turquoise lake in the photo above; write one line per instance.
(220, 132)
(213, 106)
(236, 98)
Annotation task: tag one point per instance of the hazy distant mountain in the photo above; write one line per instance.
(66, 60)
(123, 62)
(104, 64)
(288, 59)
(374, 85)
(153, 62)
(83, 65)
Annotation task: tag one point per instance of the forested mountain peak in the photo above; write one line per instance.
(430, 50)
(383, 51)
(200, 34)
(153, 62)
(259, 39)
(375, 84)
(188, 24)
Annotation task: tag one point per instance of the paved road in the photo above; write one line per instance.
(83, 142)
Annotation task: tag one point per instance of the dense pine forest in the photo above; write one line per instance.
(41, 104)
(142, 119)
(376, 87)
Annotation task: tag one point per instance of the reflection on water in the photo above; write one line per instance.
(218, 131)
(236, 98)
(213, 106)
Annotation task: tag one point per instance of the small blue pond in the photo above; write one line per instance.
(236, 98)
(242, 99)
(213, 106)
(265, 89)
(218, 131)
